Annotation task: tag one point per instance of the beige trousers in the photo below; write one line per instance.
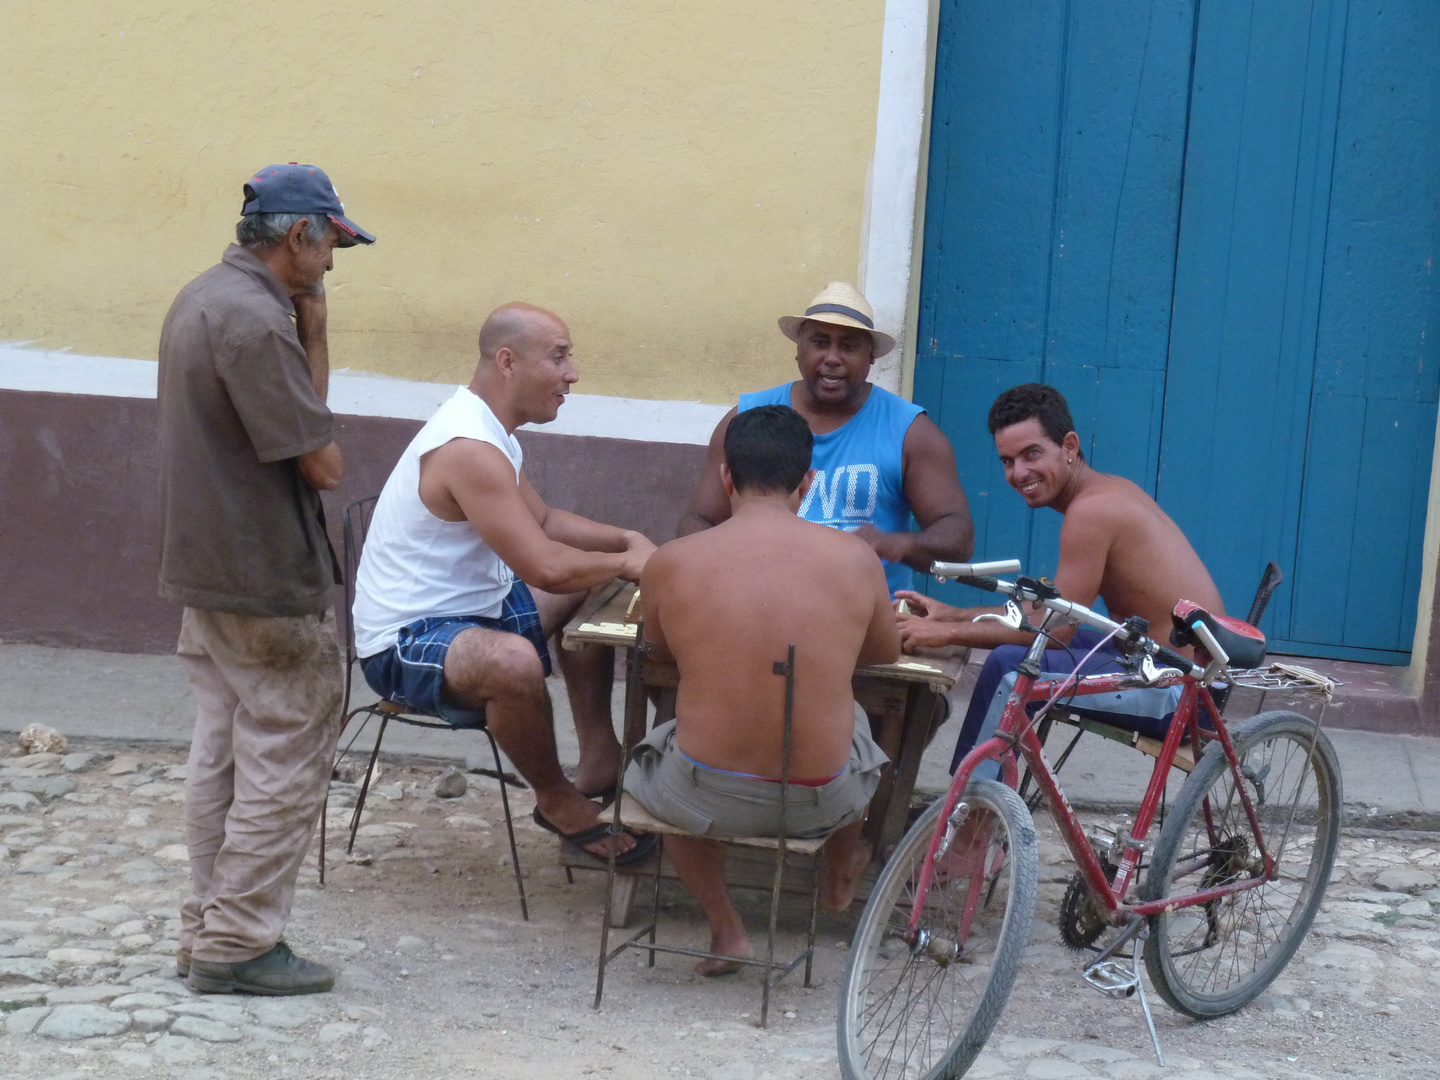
(268, 692)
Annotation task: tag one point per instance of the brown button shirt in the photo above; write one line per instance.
(242, 530)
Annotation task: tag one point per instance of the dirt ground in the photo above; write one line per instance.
(440, 977)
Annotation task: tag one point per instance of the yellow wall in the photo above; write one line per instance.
(669, 177)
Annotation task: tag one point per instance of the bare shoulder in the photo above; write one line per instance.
(1109, 497)
(923, 438)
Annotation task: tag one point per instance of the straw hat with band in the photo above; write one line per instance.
(839, 304)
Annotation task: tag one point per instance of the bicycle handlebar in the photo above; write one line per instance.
(981, 576)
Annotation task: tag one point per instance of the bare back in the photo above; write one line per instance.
(728, 602)
(1118, 544)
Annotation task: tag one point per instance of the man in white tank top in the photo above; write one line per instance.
(445, 619)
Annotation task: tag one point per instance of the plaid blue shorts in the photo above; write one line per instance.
(411, 671)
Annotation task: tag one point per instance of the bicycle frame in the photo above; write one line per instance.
(1016, 732)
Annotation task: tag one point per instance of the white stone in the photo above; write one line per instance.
(24, 1021)
(1404, 879)
(69, 1022)
(85, 957)
(1346, 957)
(338, 1030)
(176, 1050)
(197, 1027)
(77, 925)
(143, 1000)
(110, 914)
(174, 853)
(85, 995)
(221, 1012)
(1049, 1068)
(289, 1013)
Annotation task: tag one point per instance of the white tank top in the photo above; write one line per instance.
(416, 566)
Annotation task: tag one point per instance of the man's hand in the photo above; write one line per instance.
(893, 547)
(311, 318)
(919, 631)
(638, 550)
(928, 608)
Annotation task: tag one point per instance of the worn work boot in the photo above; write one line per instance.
(274, 974)
(182, 963)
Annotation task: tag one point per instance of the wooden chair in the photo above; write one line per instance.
(356, 523)
(636, 817)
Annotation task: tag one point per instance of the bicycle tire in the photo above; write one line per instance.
(927, 1015)
(1210, 959)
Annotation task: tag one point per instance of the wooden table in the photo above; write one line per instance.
(899, 698)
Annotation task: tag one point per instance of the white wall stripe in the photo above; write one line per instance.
(359, 394)
(888, 233)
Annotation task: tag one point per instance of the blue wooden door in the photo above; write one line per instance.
(1208, 224)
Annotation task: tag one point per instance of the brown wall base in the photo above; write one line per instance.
(79, 508)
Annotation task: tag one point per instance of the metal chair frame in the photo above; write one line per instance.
(774, 970)
(355, 525)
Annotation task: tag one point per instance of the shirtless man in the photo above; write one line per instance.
(1115, 543)
(727, 603)
(444, 616)
(878, 458)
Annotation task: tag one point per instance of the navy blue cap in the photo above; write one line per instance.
(301, 189)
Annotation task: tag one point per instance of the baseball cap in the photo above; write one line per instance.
(293, 188)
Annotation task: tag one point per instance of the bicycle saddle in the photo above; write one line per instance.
(1244, 643)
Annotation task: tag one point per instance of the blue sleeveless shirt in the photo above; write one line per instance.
(859, 469)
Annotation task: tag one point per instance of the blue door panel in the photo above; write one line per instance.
(1212, 226)
(1386, 558)
(996, 110)
(1117, 200)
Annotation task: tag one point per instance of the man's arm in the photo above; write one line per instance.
(709, 505)
(322, 469)
(882, 638)
(654, 583)
(1085, 539)
(579, 532)
(932, 488)
(473, 480)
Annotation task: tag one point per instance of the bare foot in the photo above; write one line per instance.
(727, 947)
(841, 873)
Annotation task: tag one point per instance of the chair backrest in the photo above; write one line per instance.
(1269, 581)
(354, 525)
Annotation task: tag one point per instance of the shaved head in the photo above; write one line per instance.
(514, 325)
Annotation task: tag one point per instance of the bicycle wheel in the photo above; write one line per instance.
(1210, 959)
(926, 1011)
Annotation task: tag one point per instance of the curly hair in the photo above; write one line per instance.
(1037, 401)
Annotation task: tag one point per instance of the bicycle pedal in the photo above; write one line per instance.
(1112, 979)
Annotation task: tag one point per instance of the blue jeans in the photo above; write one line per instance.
(1146, 710)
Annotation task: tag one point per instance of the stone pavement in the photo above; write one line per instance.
(437, 972)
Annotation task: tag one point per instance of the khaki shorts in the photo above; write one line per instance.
(712, 803)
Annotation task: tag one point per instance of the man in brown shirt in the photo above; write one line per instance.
(246, 446)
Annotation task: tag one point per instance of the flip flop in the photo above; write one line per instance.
(645, 843)
(605, 796)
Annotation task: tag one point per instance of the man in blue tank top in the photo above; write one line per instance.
(881, 465)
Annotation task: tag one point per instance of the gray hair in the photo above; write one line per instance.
(265, 230)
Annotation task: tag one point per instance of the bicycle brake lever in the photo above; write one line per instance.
(1013, 618)
(1150, 674)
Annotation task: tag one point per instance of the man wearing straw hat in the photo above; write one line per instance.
(878, 458)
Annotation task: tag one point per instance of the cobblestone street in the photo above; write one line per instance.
(439, 976)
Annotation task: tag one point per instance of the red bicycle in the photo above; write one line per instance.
(1231, 883)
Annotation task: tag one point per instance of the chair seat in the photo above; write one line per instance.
(636, 817)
